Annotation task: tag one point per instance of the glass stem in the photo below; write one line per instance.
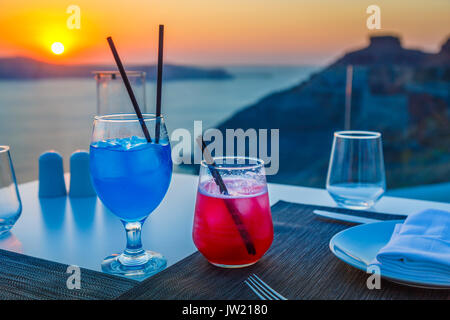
(134, 244)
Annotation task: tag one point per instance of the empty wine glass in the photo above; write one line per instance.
(356, 177)
(10, 204)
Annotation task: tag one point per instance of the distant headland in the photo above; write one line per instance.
(27, 68)
(387, 50)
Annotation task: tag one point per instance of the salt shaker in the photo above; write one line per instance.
(51, 175)
(80, 177)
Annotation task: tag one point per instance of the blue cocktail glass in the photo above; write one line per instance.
(131, 177)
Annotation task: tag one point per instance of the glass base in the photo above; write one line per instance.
(8, 223)
(232, 266)
(144, 265)
(355, 204)
(352, 203)
(4, 229)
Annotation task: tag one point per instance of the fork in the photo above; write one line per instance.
(262, 289)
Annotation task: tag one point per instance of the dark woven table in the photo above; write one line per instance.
(25, 277)
(299, 265)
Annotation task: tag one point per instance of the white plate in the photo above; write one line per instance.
(359, 245)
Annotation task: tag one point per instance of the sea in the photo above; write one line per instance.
(57, 114)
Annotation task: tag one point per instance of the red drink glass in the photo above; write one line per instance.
(233, 230)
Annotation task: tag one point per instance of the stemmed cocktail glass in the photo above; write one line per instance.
(131, 176)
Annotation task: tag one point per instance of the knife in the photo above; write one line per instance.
(345, 217)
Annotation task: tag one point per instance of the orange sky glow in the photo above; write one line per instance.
(217, 32)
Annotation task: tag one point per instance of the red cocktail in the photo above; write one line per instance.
(234, 229)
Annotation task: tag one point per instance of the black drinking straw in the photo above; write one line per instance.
(129, 89)
(234, 212)
(159, 81)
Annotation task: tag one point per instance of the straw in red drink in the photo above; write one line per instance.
(234, 212)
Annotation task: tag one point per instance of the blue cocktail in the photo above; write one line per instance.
(122, 172)
(131, 177)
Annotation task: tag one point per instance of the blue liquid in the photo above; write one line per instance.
(130, 175)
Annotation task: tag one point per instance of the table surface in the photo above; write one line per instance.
(81, 231)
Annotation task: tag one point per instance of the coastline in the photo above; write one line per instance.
(38, 115)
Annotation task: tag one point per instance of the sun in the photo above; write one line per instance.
(57, 48)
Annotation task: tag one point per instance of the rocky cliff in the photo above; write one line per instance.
(400, 92)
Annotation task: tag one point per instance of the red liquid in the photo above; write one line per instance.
(215, 233)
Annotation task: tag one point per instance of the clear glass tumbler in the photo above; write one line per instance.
(356, 177)
(10, 204)
(112, 97)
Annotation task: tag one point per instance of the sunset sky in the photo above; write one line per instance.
(214, 32)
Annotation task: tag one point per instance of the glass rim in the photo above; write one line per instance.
(116, 72)
(357, 134)
(122, 117)
(4, 148)
(259, 163)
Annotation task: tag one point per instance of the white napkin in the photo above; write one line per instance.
(419, 248)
